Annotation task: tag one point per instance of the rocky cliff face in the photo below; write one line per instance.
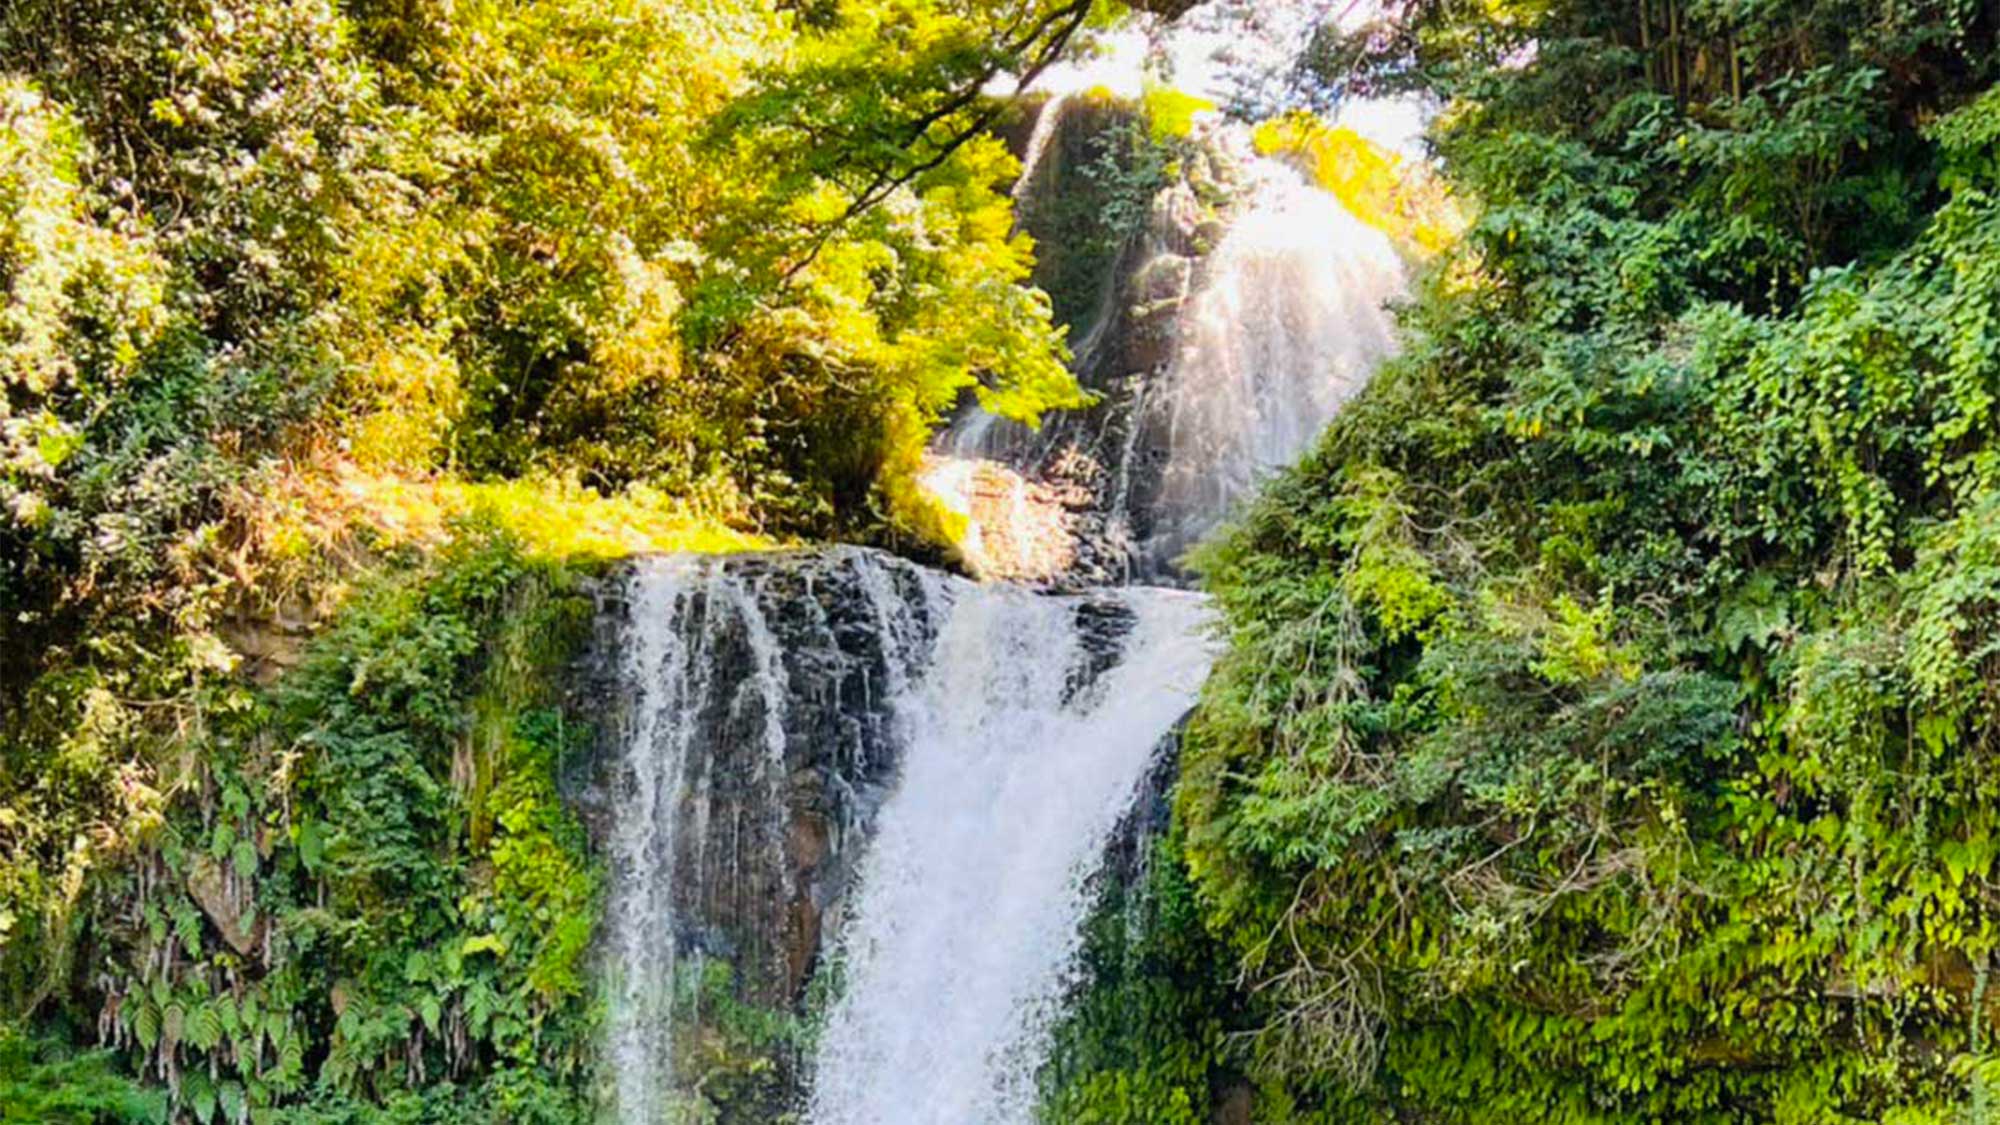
(1119, 245)
(786, 744)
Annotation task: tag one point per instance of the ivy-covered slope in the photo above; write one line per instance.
(1607, 725)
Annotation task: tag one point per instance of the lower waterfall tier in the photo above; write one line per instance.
(844, 791)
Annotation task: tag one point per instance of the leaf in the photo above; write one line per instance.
(312, 845)
(146, 1023)
(245, 856)
(173, 1023)
(1754, 614)
(485, 943)
(199, 1093)
(235, 1106)
(204, 1027)
(187, 927)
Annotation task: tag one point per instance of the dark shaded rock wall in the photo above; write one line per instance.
(754, 883)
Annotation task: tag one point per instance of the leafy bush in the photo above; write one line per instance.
(1145, 1040)
(40, 1084)
(374, 887)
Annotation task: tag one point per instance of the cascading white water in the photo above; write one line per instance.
(662, 664)
(973, 890)
(1289, 321)
(975, 885)
(682, 607)
(1021, 724)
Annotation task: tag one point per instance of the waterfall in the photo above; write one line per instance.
(1289, 321)
(838, 769)
(1228, 335)
(975, 885)
(643, 851)
(753, 735)
(680, 610)
(967, 919)
(983, 739)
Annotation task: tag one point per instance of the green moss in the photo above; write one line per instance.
(738, 1063)
(1170, 113)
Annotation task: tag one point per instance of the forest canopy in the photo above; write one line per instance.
(384, 311)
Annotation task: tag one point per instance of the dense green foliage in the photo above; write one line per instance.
(374, 903)
(579, 237)
(1142, 1038)
(43, 1084)
(287, 287)
(1604, 731)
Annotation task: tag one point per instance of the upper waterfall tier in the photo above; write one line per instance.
(1289, 319)
(1221, 338)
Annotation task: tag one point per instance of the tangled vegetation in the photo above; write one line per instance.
(1147, 1035)
(1604, 730)
(338, 343)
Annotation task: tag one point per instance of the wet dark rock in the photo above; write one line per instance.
(755, 883)
(762, 877)
(1165, 278)
(1234, 1104)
